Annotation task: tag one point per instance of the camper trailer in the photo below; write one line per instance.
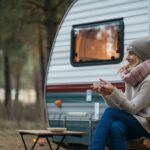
(90, 44)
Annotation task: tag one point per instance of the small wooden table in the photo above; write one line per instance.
(46, 134)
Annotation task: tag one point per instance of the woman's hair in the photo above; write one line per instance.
(128, 67)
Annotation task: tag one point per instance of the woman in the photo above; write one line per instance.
(125, 118)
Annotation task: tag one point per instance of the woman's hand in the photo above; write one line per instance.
(96, 87)
(105, 87)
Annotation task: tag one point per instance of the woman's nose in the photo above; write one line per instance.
(127, 57)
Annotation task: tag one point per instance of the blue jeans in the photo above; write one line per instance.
(116, 126)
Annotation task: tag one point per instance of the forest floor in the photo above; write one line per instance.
(11, 140)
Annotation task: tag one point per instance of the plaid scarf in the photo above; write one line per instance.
(137, 74)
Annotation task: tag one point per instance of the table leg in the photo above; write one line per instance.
(35, 143)
(60, 142)
(49, 143)
(23, 141)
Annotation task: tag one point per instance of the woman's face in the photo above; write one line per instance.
(131, 58)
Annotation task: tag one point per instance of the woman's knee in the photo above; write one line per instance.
(118, 127)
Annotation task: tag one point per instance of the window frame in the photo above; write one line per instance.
(120, 23)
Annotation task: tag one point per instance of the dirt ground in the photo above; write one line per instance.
(21, 119)
(11, 140)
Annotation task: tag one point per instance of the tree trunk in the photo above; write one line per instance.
(39, 96)
(50, 25)
(41, 56)
(7, 82)
(40, 77)
(17, 79)
(37, 86)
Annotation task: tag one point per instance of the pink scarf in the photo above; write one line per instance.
(137, 74)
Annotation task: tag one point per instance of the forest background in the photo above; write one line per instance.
(27, 30)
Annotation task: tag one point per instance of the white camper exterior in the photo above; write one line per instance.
(81, 109)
